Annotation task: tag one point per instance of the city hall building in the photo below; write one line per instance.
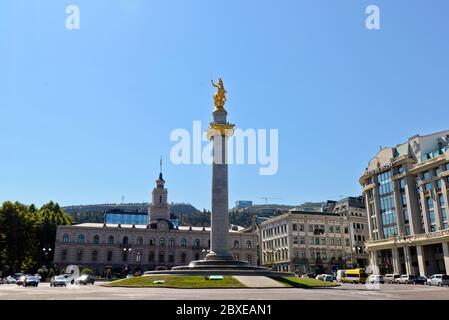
(157, 245)
(406, 197)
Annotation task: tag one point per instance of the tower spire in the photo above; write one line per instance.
(160, 169)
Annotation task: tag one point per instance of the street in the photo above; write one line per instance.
(345, 292)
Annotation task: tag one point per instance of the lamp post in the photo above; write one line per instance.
(126, 250)
(47, 252)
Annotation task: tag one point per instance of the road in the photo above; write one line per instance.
(345, 292)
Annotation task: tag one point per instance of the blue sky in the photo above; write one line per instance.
(86, 114)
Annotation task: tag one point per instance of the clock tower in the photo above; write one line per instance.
(159, 209)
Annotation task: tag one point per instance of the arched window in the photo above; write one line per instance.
(151, 256)
(171, 257)
(183, 257)
(197, 256)
(138, 256)
(94, 255)
(196, 244)
(171, 242)
(111, 240)
(79, 255)
(140, 241)
(183, 242)
(248, 244)
(109, 256)
(65, 238)
(96, 239)
(160, 199)
(81, 238)
(236, 244)
(249, 258)
(64, 255)
(152, 242)
(125, 240)
(161, 256)
(125, 256)
(162, 241)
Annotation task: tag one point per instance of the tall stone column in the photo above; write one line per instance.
(219, 131)
(396, 262)
(446, 256)
(421, 260)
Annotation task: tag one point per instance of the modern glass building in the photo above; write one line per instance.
(118, 216)
(406, 198)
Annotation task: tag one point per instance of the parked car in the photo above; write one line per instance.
(38, 277)
(9, 280)
(405, 279)
(420, 280)
(18, 275)
(438, 280)
(328, 278)
(21, 280)
(30, 281)
(57, 281)
(375, 278)
(320, 277)
(85, 279)
(391, 277)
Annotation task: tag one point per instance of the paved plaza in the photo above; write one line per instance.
(345, 292)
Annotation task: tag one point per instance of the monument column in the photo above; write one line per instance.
(219, 131)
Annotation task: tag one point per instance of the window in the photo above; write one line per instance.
(310, 228)
(347, 242)
(152, 242)
(338, 242)
(401, 168)
(323, 241)
(151, 256)
(248, 244)
(311, 241)
(248, 258)
(125, 256)
(295, 227)
(139, 256)
(426, 175)
(183, 257)
(125, 240)
(346, 230)
(197, 256)
(64, 255)
(183, 242)
(331, 229)
(171, 257)
(428, 186)
(161, 257)
(96, 239)
(171, 242)
(94, 256)
(302, 240)
(160, 199)
(331, 242)
(81, 238)
(197, 243)
(109, 256)
(65, 238)
(111, 240)
(139, 241)
(337, 229)
(236, 244)
(162, 241)
(79, 255)
(429, 202)
(301, 227)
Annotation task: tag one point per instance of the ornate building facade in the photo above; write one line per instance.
(406, 196)
(137, 248)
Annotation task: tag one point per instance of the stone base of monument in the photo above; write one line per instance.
(220, 267)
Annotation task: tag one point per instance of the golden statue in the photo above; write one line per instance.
(220, 95)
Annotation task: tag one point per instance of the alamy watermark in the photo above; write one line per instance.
(372, 21)
(195, 148)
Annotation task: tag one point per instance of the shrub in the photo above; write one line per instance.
(87, 271)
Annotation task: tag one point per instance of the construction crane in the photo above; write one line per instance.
(266, 199)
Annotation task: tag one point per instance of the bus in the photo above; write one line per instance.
(351, 276)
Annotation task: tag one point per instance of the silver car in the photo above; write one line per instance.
(438, 280)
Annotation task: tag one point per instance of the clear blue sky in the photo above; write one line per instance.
(85, 115)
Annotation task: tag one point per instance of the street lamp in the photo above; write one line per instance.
(47, 251)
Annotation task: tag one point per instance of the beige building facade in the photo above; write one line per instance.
(138, 248)
(406, 197)
(306, 242)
